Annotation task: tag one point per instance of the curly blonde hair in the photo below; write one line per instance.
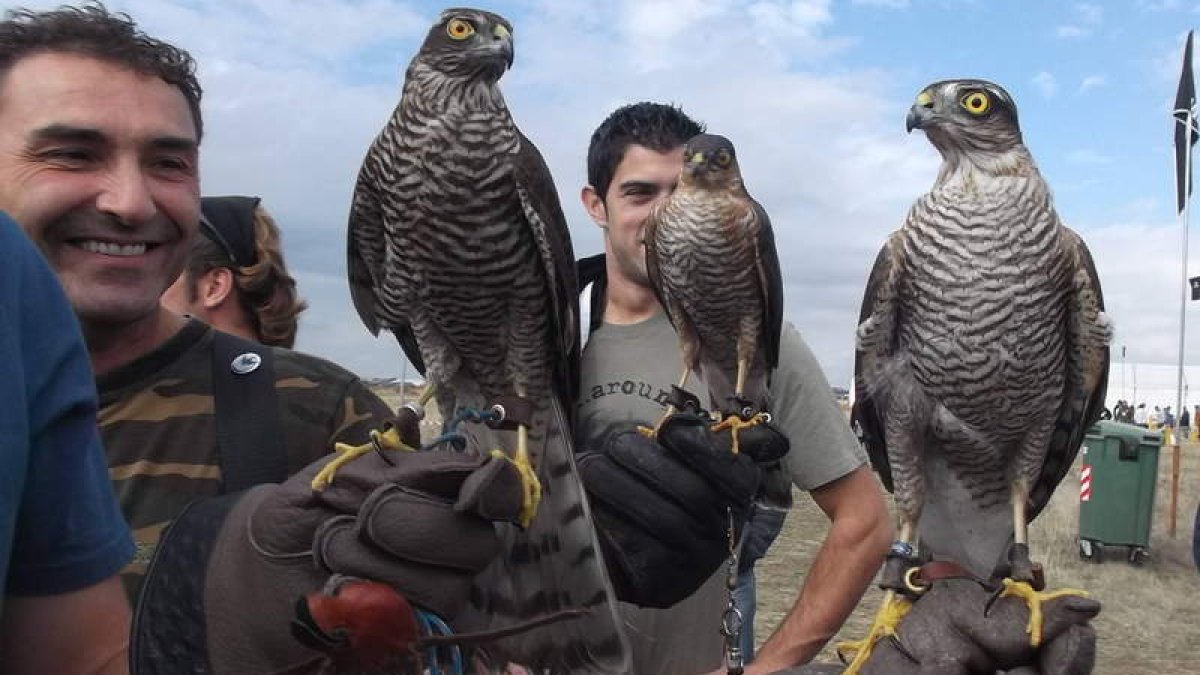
(266, 291)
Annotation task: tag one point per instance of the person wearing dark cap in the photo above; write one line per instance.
(236, 279)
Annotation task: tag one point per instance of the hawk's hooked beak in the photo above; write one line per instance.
(920, 113)
(694, 163)
(504, 36)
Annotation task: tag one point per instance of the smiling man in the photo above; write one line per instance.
(99, 165)
(100, 131)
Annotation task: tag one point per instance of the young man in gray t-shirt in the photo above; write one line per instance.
(629, 364)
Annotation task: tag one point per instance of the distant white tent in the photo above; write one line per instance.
(1151, 383)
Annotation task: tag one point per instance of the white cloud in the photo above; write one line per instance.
(1046, 84)
(1143, 299)
(1088, 17)
(1088, 157)
(296, 91)
(1159, 5)
(797, 18)
(667, 35)
(1092, 82)
(663, 20)
(281, 33)
(1089, 13)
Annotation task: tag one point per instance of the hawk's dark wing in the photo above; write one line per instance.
(1087, 374)
(771, 281)
(545, 216)
(867, 413)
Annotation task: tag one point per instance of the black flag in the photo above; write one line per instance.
(1185, 102)
(1195, 282)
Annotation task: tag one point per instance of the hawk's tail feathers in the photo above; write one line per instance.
(555, 564)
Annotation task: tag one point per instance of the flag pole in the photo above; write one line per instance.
(1184, 287)
(1175, 458)
(1184, 216)
(1185, 138)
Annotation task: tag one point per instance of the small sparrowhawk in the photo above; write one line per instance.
(711, 260)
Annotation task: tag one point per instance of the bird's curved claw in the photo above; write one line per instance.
(1034, 600)
(532, 488)
(388, 439)
(889, 616)
(735, 423)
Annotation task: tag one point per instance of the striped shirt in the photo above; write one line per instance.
(156, 420)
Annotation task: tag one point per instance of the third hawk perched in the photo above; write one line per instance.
(983, 343)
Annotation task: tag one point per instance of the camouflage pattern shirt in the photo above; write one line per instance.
(156, 420)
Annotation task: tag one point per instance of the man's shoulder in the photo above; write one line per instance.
(790, 337)
(318, 384)
(795, 356)
(290, 363)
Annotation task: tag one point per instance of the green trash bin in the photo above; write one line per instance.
(1116, 489)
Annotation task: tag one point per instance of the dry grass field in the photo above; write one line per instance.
(1148, 625)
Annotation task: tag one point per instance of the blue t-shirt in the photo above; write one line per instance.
(60, 527)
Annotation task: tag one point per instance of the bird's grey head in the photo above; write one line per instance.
(709, 159)
(469, 43)
(966, 116)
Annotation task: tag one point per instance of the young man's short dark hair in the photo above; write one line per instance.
(656, 126)
(93, 31)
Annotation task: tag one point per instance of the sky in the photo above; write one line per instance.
(813, 93)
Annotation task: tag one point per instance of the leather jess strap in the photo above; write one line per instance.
(249, 433)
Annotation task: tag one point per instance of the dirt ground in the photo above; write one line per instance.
(1148, 623)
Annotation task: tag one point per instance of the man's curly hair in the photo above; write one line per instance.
(265, 290)
(92, 31)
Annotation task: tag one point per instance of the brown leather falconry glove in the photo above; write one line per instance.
(959, 628)
(222, 592)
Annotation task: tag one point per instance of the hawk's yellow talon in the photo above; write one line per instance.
(533, 487)
(652, 432)
(388, 439)
(1034, 600)
(735, 424)
(886, 620)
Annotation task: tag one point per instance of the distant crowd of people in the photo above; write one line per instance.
(1156, 417)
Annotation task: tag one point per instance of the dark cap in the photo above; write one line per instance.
(229, 222)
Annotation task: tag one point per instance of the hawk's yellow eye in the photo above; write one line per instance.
(460, 29)
(976, 102)
(723, 158)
